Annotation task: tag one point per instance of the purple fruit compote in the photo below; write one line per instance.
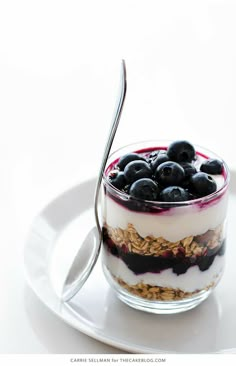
(164, 207)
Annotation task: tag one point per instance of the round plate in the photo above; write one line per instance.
(96, 311)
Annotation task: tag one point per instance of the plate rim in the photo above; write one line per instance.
(78, 326)
(117, 343)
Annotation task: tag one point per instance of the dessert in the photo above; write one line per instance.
(164, 217)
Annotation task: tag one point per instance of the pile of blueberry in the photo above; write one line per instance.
(166, 175)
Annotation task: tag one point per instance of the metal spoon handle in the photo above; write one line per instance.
(88, 253)
(111, 135)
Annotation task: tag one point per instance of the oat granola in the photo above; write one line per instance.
(190, 246)
(159, 293)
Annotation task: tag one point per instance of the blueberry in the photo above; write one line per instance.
(137, 169)
(160, 158)
(154, 154)
(117, 179)
(203, 184)
(169, 173)
(124, 160)
(212, 166)
(145, 188)
(174, 194)
(189, 169)
(181, 151)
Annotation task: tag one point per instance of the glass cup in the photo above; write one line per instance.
(163, 257)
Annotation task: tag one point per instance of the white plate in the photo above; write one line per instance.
(95, 311)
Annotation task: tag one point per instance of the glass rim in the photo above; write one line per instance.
(203, 199)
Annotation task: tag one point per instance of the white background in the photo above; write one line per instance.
(59, 72)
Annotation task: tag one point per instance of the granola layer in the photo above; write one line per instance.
(129, 240)
(158, 293)
(155, 254)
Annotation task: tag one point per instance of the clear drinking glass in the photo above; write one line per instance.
(163, 257)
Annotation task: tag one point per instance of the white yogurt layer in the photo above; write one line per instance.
(173, 225)
(192, 280)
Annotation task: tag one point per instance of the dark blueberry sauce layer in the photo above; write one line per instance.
(140, 264)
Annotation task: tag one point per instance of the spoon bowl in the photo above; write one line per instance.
(82, 265)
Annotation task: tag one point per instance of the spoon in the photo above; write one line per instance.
(88, 252)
